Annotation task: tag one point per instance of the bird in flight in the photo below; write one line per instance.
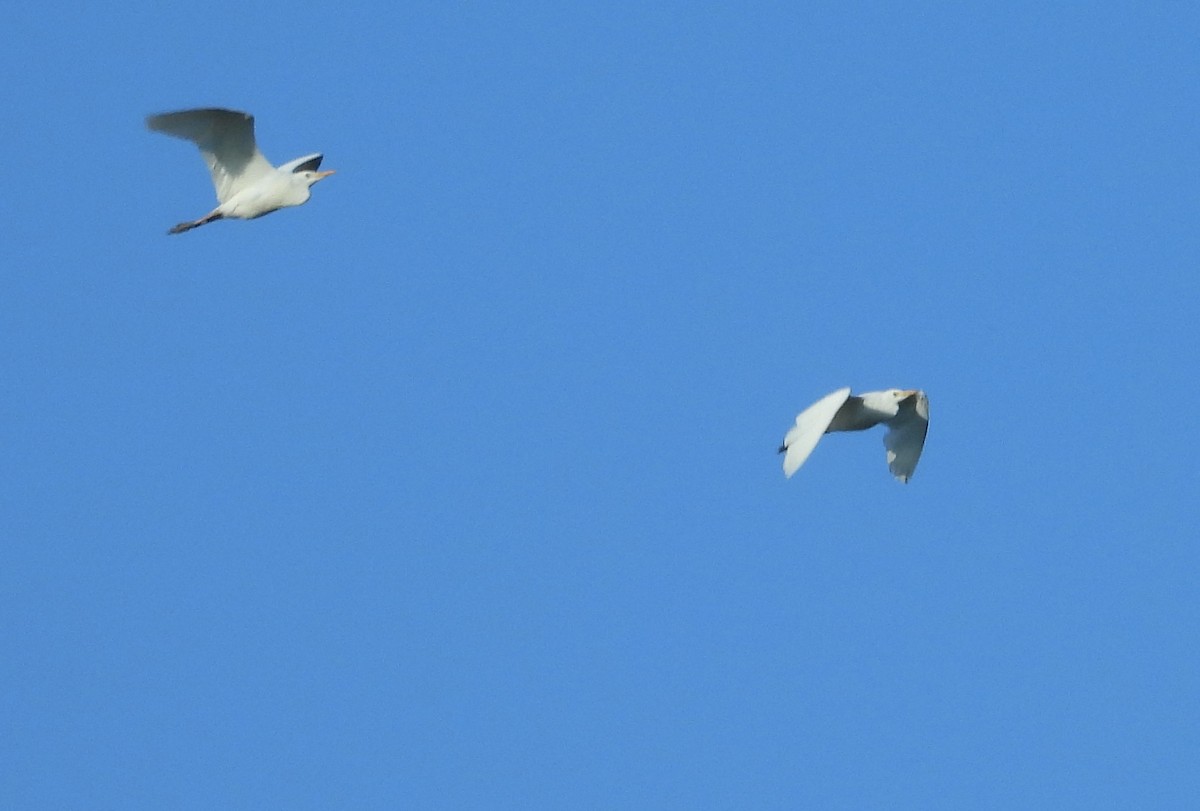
(905, 412)
(247, 185)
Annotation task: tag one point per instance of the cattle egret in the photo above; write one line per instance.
(248, 186)
(904, 412)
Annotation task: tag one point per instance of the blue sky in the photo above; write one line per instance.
(457, 487)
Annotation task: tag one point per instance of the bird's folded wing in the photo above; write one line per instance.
(809, 428)
(906, 436)
(226, 139)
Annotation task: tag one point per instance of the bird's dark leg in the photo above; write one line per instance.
(188, 226)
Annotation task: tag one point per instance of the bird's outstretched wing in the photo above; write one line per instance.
(810, 426)
(309, 163)
(226, 139)
(906, 436)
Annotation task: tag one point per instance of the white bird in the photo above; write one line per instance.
(904, 412)
(248, 186)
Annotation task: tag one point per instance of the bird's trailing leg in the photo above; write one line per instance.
(188, 226)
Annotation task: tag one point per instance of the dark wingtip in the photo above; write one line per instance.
(310, 165)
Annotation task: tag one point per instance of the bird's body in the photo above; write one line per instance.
(905, 412)
(247, 185)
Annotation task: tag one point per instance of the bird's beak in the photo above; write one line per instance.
(323, 175)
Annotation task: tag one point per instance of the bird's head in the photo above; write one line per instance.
(887, 401)
(911, 399)
(310, 177)
(900, 396)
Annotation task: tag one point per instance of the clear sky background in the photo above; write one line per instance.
(457, 486)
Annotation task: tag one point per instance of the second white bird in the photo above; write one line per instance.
(905, 412)
(247, 185)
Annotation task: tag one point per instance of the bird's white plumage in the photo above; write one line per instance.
(226, 140)
(904, 412)
(905, 437)
(811, 424)
(246, 183)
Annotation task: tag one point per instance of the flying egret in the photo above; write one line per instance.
(904, 412)
(248, 186)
